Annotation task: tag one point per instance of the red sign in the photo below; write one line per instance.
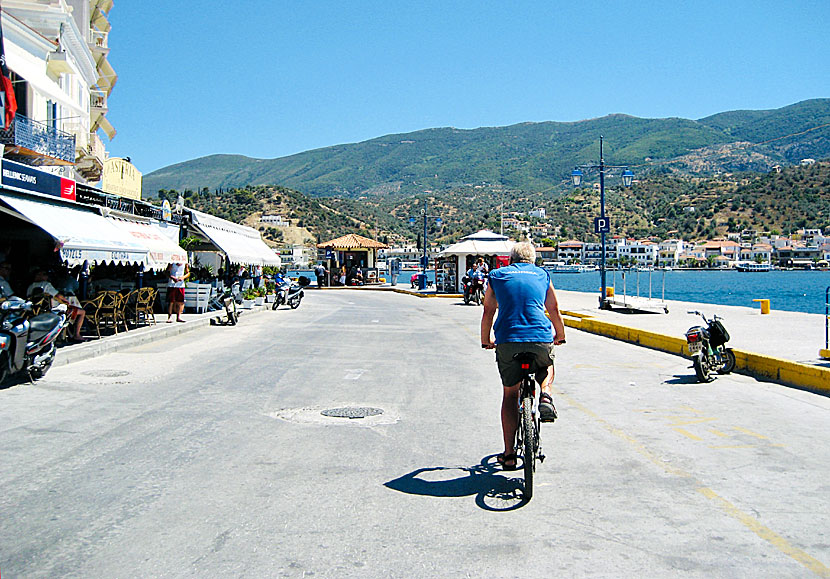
(68, 189)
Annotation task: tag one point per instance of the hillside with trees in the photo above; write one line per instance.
(524, 157)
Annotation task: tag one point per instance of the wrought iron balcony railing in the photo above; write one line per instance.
(30, 138)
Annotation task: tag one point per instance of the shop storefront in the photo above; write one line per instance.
(350, 254)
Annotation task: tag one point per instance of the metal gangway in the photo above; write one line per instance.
(638, 302)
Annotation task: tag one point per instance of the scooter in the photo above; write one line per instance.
(28, 344)
(290, 293)
(227, 301)
(707, 346)
(473, 290)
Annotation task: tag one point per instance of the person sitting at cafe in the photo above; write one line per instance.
(75, 312)
(5, 289)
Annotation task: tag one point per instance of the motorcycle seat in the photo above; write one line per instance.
(44, 322)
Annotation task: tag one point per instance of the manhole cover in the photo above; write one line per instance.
(351, 412)
(106, 373)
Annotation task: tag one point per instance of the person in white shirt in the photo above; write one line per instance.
(76, 314)
(177, 273)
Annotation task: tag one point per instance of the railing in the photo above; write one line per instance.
(98, 39)
(39, 138)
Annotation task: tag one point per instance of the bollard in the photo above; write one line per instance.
(609, 292)
(764, 305)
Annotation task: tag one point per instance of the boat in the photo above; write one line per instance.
(561, 267)
(752, 266)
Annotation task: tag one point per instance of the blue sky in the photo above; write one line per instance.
(272, 78)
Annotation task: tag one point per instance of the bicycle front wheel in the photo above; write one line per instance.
(529, 440)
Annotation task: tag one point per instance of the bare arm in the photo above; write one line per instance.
(552, 306)
(490, 307)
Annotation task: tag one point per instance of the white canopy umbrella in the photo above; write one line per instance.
(483, 243)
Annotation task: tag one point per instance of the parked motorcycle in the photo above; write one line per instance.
(228, 301)
(28, 344)
(291, 293)
(473, 290)
(707, 345)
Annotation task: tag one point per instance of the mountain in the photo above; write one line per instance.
(526, 156)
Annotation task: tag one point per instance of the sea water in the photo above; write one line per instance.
(795, 291)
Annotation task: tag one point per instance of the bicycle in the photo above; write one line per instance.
(528, 440)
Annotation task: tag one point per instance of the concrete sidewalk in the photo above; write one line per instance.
(781, 346)
(70, 353)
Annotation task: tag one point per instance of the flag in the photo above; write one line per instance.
(6, 90)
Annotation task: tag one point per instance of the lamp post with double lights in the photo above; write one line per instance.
(602, 224)
(422, 282)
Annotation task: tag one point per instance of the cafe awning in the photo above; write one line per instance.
(484, 242)
(156, 237)
(81, 234)
(240, 243)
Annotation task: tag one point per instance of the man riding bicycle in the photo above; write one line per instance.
(521, 292)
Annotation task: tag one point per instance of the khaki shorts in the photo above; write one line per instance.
(511, 371)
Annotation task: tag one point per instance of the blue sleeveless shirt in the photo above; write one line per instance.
(520, 289)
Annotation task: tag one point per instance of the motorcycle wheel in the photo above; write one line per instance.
(294, 303)
(728, 357)
(701, 369)
(275, 304)
(40, 372)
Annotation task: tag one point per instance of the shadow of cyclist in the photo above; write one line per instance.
(485, 481)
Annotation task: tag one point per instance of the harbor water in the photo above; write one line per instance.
(795, 291)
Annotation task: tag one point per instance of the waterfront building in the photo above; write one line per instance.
(669, 252)
(643, 252)
(57, 54)
(722, 248)
(571, 251)
(546, 254)
(297, 256)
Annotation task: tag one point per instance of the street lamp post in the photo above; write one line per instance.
(602, 224)
(422, 282)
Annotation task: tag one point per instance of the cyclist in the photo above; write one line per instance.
(521, 292)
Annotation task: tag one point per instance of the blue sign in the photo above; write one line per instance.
(602, 225)
(26, 178)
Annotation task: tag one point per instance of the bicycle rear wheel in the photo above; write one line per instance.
(529, 440)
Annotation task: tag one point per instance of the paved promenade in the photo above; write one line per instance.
(208, 454)
(789, 335)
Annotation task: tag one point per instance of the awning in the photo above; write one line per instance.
(240, 243)
(162, 250)
(482, 243)
(82, 234)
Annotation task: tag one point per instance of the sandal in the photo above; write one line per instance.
(505, 461)
(547, 411)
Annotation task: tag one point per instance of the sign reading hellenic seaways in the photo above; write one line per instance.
(121, 178)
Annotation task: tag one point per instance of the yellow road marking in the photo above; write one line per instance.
(767, 534)
(717, 432)
(687, 434)
(749, 432)
(750, 522)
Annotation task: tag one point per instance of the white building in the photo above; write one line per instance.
(275, 220)
(642, 252)
(538, 213)
(669, 252)
(56, 51)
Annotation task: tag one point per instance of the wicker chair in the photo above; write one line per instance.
(141, 310)
(105, 308)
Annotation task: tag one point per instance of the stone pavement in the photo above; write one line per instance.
(792, 336)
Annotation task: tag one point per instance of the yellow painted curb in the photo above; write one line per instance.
(824, 354)
(814, 378)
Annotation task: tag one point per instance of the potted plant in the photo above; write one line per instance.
(270, 292)
(259, 298)
(248, 298)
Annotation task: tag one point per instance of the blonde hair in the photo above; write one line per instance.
(523, 252)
